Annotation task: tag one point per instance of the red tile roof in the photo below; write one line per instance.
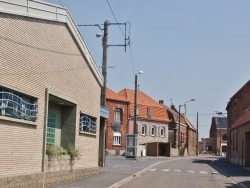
(243, 119)
(158, 112)
(114, 96)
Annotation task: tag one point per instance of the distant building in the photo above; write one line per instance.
(218, 131)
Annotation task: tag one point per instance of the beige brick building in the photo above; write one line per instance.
(49, 88)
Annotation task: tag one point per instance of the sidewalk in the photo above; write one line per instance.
(239, 174)
(117, 171)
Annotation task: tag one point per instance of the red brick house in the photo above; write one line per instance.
(218, 131)
(239, 126)
(117, 124)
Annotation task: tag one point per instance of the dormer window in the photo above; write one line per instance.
(149, 112)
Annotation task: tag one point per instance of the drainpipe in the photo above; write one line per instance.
(45, 135)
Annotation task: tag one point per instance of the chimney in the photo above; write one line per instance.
(161, 101)
(172, 107)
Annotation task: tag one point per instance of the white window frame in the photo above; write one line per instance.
(117, 138)
(162, 131)
(153, 130)
(143, 130)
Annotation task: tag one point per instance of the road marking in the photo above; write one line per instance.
(203, 172)
(152, 170)
(165, 170)
(190, 171)
(177, 170)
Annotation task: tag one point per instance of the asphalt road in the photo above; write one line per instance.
(182, 173)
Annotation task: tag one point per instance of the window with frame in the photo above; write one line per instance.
(117, 138)
(224, 137)
(153, 130)
(171, 136)
(17, 105)
(87, 124)
(162, 131)
(118, 115)
(149, 112)
(143, 130)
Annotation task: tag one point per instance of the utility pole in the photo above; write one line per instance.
(197, 147)
(135, 106)
(102, 128)
(103, 96)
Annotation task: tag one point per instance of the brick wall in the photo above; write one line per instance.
(35, 55)
(111, 104)
(238, 104)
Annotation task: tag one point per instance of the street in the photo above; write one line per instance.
(186, 172)
(183, 172)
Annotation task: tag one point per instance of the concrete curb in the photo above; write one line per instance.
(131, 177)
(241, 185)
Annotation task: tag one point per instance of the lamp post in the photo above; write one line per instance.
(135, 103)
(179, 127)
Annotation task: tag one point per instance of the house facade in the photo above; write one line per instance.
(238, 126)
(117, 124)
(218, 131)
(49, 91)
(152, 124)
(186, 133)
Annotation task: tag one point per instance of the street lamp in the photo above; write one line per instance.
(185, 105)
(179, 127)
(135, 103)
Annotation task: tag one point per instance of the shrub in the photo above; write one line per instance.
(53, 150)
(73, 152)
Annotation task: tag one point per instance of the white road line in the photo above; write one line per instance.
(203, 172)
(152, 170)
(177, 170)
(190, 171)
(165, 170)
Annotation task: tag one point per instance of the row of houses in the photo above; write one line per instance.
(157, 126)
(50, 89)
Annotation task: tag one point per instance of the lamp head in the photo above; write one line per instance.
(98, 35)
(192, 100)
(140, 72)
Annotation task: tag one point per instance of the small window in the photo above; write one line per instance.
(153, 129)
(224, 137)
(87, 124)
(171, 136)
(143, 129)
(149, 112)
(162, 131)
(117, 138)
(17, 105)
(117, 115)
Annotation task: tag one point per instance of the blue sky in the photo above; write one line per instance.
(187, 49)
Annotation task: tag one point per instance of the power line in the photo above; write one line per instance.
(115, 17)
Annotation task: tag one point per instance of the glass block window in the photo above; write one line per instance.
(51, 124)
(87, 124)
(17, 105)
